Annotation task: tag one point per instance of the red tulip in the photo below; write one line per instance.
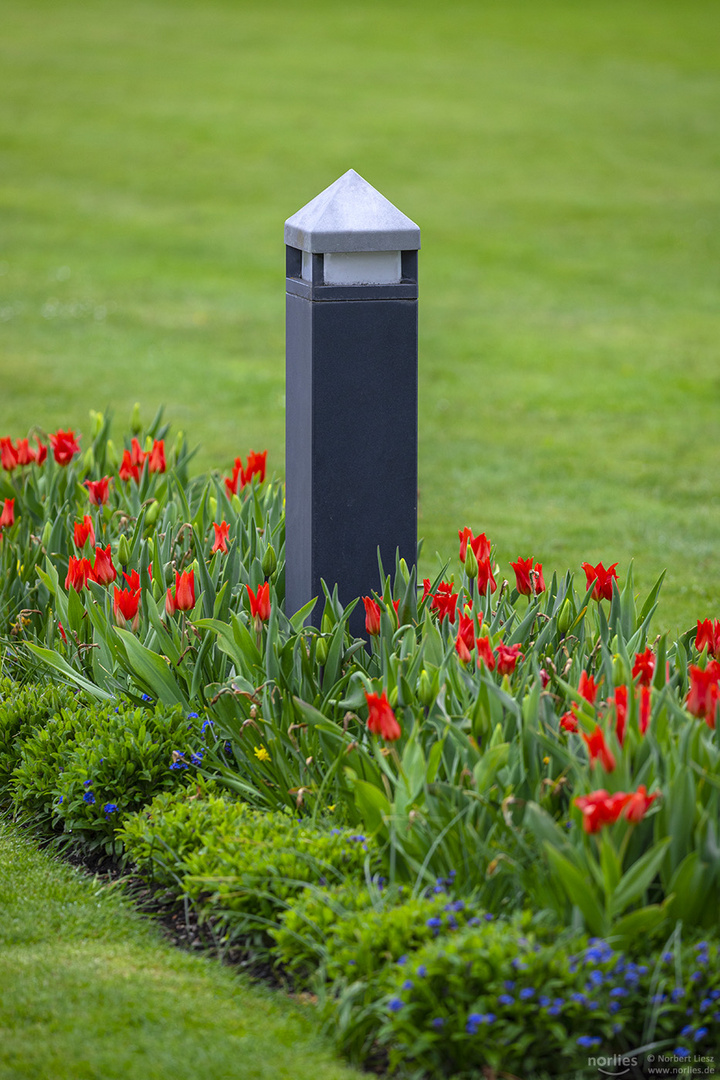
(231, 483)
(133, 579)
(427, 589)
(597, 748)
(600, 808)
(126, 603)
(463, 650)
(569, 722)
(507, 657)
(485, 576)
(603, 580)
(703, 697)
(185, 590)
(522, 570)
(103, 571)
(466, 630)
(222, 532)
(64, 445)
(182, 596)
(444, 602)
(25, 456)
(8, 456)
(465, 536)
(620, 701)
(7, 517)
(708, 635)
(137, 454)
(255, 466)
(644, 667)
(79, 570)
(372, 616)
(127, 470)
(485, 653)
(84, 531)
(381, 720)
(529, 581)
(637, 804)
(587, 687)
(98, 490)
(480, 544)
(260, 604)
(41, 452)
(132, 462)
(157, 457)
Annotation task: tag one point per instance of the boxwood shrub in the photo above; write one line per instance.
(89, 765)
(353, 933)
(159, 838)
(24, 709)
(239, 865)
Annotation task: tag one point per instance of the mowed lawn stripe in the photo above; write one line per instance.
(561, 160)
(90, 991)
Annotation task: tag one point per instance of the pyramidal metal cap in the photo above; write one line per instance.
(351, 215)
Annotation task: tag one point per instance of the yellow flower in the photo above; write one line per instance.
(546, 761)
(261, 753)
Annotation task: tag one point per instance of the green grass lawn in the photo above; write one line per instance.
(91, 992)
(561, 159)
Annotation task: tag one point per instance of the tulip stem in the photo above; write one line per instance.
(624, 844)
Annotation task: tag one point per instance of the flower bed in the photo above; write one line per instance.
(522, 748)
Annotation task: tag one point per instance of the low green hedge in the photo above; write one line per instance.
(353, 933)
(240, 866)
(24, 709)
(82, 769)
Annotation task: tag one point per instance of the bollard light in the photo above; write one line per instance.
(351, 392)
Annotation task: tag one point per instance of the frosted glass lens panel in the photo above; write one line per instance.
(362, 268)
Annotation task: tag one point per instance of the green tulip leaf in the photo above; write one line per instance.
(636, 880)
(544, 828)
(651, 601)
(413, 761)
(680, 811)
(487, 768)
(151, 670)
(313, 716)
(434, 759)
(690, 884)
(373, 806)
(610, 864)
(50, 657)
(644, 921)
(299, 618)
(575, 883)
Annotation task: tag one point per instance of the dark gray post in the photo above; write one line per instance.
(351, 393)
